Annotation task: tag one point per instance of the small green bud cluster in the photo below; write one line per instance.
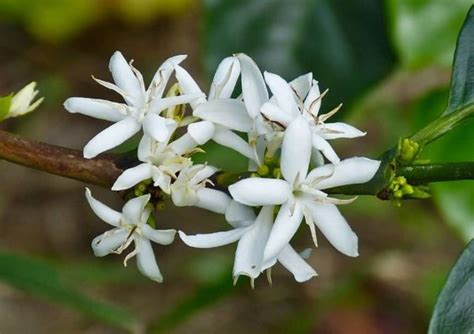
(407, 151)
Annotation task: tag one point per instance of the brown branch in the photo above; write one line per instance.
(102, 170)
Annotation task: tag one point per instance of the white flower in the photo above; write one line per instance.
(290, 102)
(161, 162)
(130, 226)
(300, 194)
(252, 236)
(220, 113)
(142, 107)
(22, 102)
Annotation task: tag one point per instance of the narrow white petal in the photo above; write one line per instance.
(124, 78)
(254, 90)
(292, 261)
(145, 146)
(109, 241)
(257, 191)
(225, 79)
(286, 224)
(296, 150)
(162, 75)
(102, 211)
(249, 253)
(212, 200)
(100, 109)
(159, 105)
(227, 112)
(183, 144)
(301, 85)
(133, 209)
(334, 227)
(275, 114)
(312, 103)
(111, 137)
(159, 128)
(201, 132)
(339, 130)
(282, 92)
(204, 173)
(189, 86)
(162, 237)
(146, 261)
(325, 148)
(238, 214)
(349, 171)
(211, 240)
(229, 139)
(132, 176)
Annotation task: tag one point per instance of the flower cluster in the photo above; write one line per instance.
(276, 124)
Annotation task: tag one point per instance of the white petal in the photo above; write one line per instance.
(239, 215)
(325, 148)
(254, 90)
(146, 261)
(111, 137)
(159, 105)
(227, 112)
(229, 139)
(204, 173)
(189, 86)
(125, 79)
(132, 176)
(102, 211)
(257, 191)
(145, 146)
(296, 150)
(162, 75)
(159, 128)
(133, 209)
(162, 237)
(339, 130)
(292, 261)
(225, 79)
(201, 132)
(334, 227)
(301, 85)
(211, 240)
(286, 224)
(100, 109)
(282, 92)
(212, 200)
(183, 144)
(109, 241)
(312, 102)
(249, 253)
(274, 113)
(349, 171)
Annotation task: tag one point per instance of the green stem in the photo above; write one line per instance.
(442, 125)
(423, 174)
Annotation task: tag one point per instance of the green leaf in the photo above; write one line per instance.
(347, 54)
(424, 31)
(462, 80)
(5, 103)
(43, 280)
(454, 311)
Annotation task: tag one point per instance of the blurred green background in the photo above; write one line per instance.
(389, 62)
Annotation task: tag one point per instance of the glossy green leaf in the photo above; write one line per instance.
(424, 31)
(454, 310)
(462, 81)
(346, 53)
(40, 279)
(5, 103)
